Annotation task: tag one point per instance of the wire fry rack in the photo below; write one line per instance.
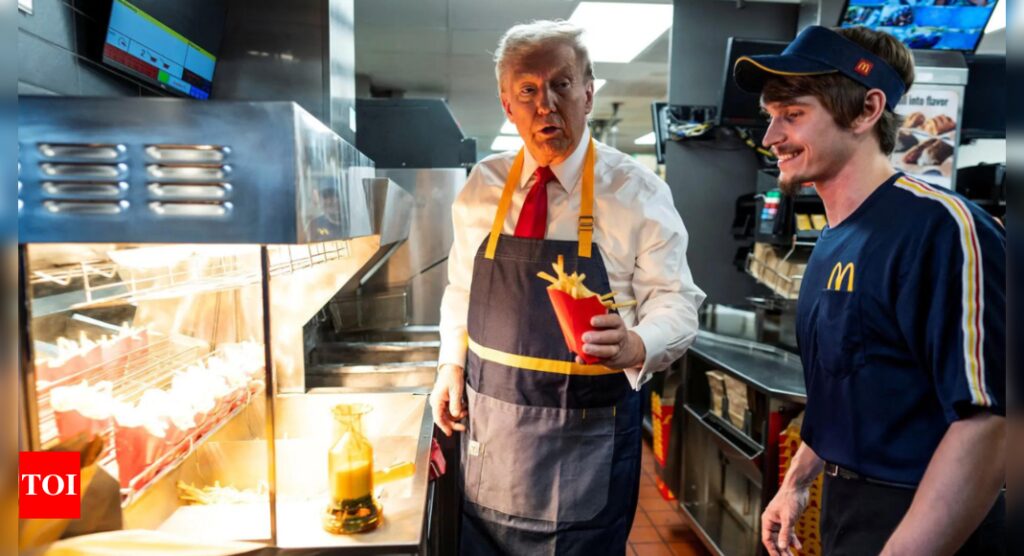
(131, 374)
(104, 282)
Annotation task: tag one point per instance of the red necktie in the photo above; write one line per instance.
(533, 219)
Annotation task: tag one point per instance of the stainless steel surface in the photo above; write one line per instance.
(402, 376)
(768, 369)
(430, 239)
(375, 353)
(88, 152)
(88, 189)
(163, 170)
(301, 51)
(399, 359)
(297, 296)
(351, 311)
(413, 333)
(382, 366)
(399, 427)
(427, 287)
(390, 209)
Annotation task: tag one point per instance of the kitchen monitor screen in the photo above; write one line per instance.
(924, 24)
(172, 45)
(737, 107)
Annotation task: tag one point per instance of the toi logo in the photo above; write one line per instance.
(49, 485)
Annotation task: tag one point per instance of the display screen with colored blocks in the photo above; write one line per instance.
(141, 45)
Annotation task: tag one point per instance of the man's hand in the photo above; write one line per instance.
(779, 519)
(617, 347)
(446, 399)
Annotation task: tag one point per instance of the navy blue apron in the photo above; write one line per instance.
(551, 454)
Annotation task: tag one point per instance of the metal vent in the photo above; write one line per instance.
(86, 207)
(81, 151)
(187, 153)
(75, 170)
(84, 189)
(187, 208)
(205, 172)
(188, 180)
(190, 190)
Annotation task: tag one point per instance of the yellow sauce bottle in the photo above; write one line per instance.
(350, 475)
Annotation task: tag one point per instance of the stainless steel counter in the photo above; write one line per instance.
(771, 370)
(399, 427)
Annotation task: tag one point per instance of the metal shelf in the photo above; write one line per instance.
(104, 283)
(152, 366)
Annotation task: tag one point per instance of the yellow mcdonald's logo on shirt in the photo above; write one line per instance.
(839, 273)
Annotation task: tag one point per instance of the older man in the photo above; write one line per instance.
(551, 446)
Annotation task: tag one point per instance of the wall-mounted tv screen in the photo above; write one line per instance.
(924, 24)
(172, 45)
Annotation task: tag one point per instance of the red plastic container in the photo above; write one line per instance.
(574, 319)
(72, 423)
(136, 449)
(113, 355)
(53, 371)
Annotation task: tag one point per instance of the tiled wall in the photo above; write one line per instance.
(60, 47)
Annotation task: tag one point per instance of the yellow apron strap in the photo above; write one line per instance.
(586, 222)
(585, 227)
(506, 201)
(537, 363)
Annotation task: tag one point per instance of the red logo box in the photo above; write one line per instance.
(864, 67)
(49, 485)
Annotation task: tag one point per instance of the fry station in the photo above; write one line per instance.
(728, 281)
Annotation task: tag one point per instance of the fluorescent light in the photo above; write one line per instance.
(998, 20)
(645, 139)
(598, 83)
(618, 32)
(507, 143)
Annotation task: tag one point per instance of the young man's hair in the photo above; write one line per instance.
(843, 97)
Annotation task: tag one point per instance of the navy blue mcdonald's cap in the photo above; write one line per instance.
(819, 51)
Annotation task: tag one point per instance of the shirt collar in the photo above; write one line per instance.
(568, 172)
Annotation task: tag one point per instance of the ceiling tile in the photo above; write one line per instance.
(400, 13)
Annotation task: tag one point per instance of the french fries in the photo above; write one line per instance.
(572, 284)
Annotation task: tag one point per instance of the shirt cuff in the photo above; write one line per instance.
(453, 352)
(654, 346)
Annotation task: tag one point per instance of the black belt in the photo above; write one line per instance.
(839, 472)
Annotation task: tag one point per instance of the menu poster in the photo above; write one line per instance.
(926, 143)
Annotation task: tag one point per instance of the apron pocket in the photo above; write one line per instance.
(543, 463)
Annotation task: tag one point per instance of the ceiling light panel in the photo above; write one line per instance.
(506, 143)
(645, 139)
(618, 32)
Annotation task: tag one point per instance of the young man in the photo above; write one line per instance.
(551, 446)
(901, 317)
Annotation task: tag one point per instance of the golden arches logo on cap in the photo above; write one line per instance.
(864, 67)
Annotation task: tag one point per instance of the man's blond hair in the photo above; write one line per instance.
(525, 37)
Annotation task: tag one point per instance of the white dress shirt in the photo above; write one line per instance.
(636, 227)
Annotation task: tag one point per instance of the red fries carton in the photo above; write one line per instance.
(574, 319)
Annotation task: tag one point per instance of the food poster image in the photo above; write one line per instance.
(926, 142)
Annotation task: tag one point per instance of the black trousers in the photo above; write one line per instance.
(858, 517)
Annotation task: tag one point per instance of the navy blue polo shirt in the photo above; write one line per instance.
(902, 329)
